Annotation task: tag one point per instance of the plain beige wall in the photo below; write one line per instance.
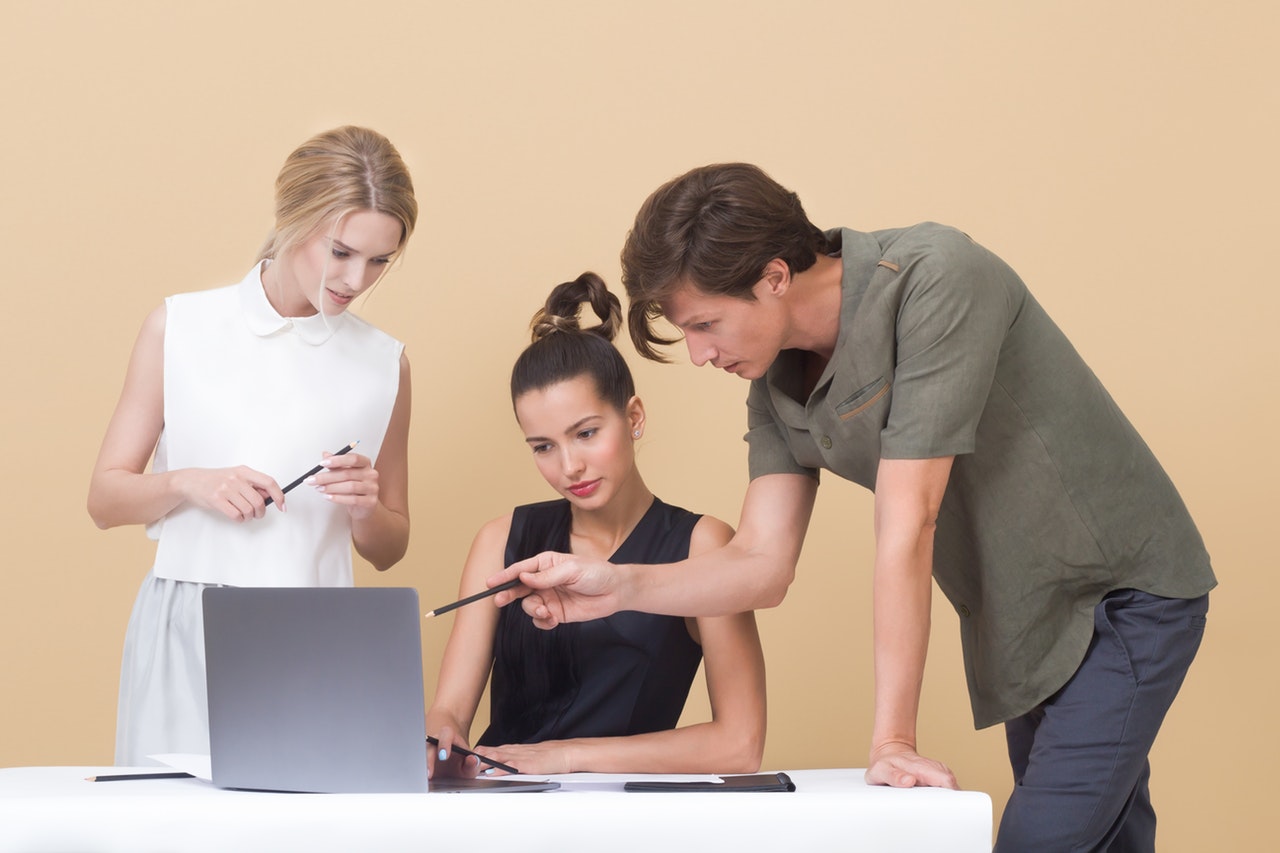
(1119, 155)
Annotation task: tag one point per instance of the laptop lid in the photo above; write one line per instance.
(316, 690)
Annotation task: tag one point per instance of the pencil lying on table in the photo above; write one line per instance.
(316, 470)
(124, 777)
(511, 584)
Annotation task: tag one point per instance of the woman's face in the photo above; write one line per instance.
(582, 445)
(347, 259)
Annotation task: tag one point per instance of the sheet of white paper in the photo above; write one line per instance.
(197, 765)
(615, 781)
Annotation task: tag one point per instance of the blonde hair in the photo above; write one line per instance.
(335, 173)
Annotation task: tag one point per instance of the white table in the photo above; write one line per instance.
(55, 809)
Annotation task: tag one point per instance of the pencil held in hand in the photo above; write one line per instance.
(511, 584)
(462, 750)
(316, 470)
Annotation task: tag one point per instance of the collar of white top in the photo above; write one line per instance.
(264, 320)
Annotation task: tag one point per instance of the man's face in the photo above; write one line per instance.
(739, 336)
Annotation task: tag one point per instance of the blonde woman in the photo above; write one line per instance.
(231, 392)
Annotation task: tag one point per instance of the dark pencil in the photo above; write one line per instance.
(511, 584)
(315, 470)
(462, 749)
(123, 777)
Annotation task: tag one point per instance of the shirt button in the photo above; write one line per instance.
(964, 610)
(826, 442)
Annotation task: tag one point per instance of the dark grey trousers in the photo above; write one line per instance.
(1079, 760)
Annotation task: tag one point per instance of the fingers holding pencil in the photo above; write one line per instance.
(349, 480)
(240, 493)
(316, 470)
(470, 763)
(562, 588)
(505, 586)
(470, 599)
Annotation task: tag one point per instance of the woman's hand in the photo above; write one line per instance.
(239, 493)
(349, 480)
(443, 762)
(531, 759)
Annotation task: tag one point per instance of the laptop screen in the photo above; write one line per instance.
(315, 690)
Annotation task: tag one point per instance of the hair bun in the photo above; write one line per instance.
(560, 313)
(548, 324)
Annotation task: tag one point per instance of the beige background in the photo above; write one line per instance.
(1120, 155)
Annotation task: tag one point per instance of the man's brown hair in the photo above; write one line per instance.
(714, 228)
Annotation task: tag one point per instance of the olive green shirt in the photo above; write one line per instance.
(1054, 499)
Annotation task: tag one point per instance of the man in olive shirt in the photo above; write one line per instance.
(916, 363)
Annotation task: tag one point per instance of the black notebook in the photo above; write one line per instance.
(749, 782)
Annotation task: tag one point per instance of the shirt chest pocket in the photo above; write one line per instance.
(851, 445)
(864, 400)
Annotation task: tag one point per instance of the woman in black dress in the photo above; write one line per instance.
(605, 695)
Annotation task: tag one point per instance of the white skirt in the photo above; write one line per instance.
(163, 704)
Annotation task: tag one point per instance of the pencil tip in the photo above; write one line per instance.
(429, 615)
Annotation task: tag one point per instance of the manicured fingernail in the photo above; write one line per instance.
(310, 480)
(444, 755)
(489, 771)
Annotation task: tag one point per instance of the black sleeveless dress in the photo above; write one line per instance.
(626, 674)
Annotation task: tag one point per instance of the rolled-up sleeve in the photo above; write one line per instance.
(767, 450)
(952, 321)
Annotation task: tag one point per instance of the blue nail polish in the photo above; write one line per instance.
(443, 755)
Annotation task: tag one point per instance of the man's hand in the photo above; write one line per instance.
(563, 588)
(900, 766)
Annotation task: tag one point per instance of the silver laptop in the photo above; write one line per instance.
(320, 690)
(315, 689)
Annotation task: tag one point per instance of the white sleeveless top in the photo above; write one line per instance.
(245, 386)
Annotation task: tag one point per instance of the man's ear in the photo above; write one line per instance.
(777, 276)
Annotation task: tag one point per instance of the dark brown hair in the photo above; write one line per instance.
(715, 228)
(562, 350)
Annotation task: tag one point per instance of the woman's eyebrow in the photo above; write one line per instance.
(574, 427)
(344, 247)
